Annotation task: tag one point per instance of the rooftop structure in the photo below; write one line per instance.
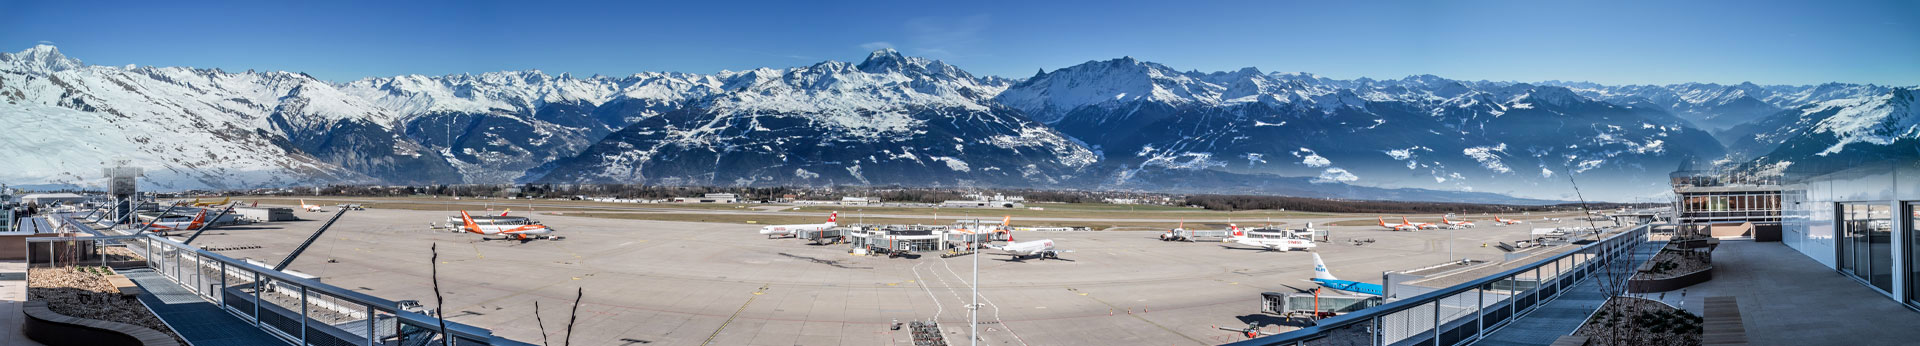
(1709, 197)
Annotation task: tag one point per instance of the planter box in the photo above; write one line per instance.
(1669, 284)
(45, 326)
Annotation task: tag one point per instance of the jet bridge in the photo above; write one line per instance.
(823, 236)
(897, 241)
(1314, 306)
(1190, 235)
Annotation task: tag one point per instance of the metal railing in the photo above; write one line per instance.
(295, 308)
(1465, 313)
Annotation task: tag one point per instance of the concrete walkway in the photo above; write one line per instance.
(13, 292)
(200, 322)
(1562, 315)
(1787, 298)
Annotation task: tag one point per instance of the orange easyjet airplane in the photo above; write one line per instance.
(511, 229)
(178, 225)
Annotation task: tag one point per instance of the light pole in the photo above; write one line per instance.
(973, 321)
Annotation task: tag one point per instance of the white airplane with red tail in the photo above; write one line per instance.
(794, 230)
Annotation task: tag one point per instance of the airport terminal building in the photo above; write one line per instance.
(1860, 221)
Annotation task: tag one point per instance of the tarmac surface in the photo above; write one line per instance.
(682, 283)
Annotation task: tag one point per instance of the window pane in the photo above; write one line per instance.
(1913, 247)
(1880, 245)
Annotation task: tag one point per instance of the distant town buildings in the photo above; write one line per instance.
(983, 201)
(709, 198)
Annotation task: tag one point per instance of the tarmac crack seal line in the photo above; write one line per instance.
(1139, 317)
(983, 297)
(736, 313)
(938, 309)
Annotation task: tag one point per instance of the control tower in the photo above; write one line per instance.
(121, 185)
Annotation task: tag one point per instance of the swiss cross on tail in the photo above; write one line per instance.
(471, 226)
(834, 217)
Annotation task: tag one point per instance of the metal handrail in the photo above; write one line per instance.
(1322, 327)
(310, 286)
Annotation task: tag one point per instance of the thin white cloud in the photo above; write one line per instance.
(876, 45)
(946, 36)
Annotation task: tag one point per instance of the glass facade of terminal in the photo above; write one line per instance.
(1858, 218)
(1866, 251)
(1913, 246)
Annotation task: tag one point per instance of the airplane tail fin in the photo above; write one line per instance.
(504, 213)
(1403, 221)
(1383, 220)
(1008, 221)
(471, 226)
(833, 218)
(1320, 269)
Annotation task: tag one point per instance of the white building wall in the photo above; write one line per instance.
(1810, 226)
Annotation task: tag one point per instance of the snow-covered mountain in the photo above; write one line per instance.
(892, 119)
(1834, 135)
(1420, 131)
(1717, 107)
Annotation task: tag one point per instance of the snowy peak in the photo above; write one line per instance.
(885, 60)
(41, 59)
(1049, 96)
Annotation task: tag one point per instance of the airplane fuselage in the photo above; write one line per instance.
(1351, 287)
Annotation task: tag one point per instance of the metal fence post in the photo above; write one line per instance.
(373, 329)
(1480, 313)
(257, 285)
(223, 286)
(1436, 321)
(200, 267)
(1379, 332)
(303, 315)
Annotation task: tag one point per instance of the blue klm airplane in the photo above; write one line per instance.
(1325, 279)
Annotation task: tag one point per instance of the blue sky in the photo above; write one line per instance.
(1615, 42)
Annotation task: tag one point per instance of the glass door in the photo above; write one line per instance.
(1866, 250)
(1913, 247)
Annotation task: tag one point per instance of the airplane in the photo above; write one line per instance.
(794, 230)
(180, 225)
(1497, 219)
(1468, 224)
(1422, 225)
(1176, 230)
(1403, 226)
(1272, 241)
(311, 207)
(1326, 279)
(511, 231)
(1042, 248)
(196, 202)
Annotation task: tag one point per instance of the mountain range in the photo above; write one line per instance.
(1119, 124)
